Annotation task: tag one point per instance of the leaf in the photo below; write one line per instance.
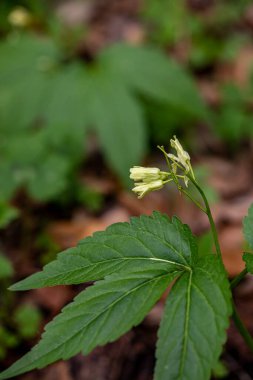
(66, 99)
(118, 120)
(189, 345)
(98, 315)
(154, 75)
(28, 319)
(33, 161)
(162, 31)
(248, 227)
(23, 57)
(6, 268)
(146, 242)
(104, 97)
(50, 178)
(7, 214)
(248, 258)
(192, 330)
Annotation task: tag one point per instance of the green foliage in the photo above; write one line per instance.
(205, 243)
(95, 317)
(7, 340)
(92, 199)
(7, 214)
(194, 323)
(234, 117)
(209, 37)
(17, 324)
(145, 242)
(28, 320)
(248, 258)
(21, 324)
(6, 269)
(138, 260)
(220, 371)
(43, 126)
(248, 234)
(168, 20)
(248, 227)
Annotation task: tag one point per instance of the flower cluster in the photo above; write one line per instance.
(147, 179)
(151, 179)
(180, 161)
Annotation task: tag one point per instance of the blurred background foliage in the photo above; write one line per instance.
(55, 93)
(79, 94)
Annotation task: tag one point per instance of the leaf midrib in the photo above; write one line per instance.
(80, 268)
(186, 325)
(165, 242)
(93, 319)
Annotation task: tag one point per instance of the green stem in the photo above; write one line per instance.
(238, 278)
(242, 329)
(210, 217)
(193, 200)
(237, 320)
(174, 177)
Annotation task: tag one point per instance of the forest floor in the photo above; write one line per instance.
(133, 356)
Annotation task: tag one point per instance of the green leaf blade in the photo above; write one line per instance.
(248, 259)
(118, 121)
(192, 331)
(97, 316)
(147, 242)
(152, 74)
(248, 227)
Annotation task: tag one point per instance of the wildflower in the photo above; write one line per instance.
(139, 173)
(182, 160)
(19, 17)
(143, 188)
(148, 179)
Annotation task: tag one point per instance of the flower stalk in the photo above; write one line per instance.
(180, 169)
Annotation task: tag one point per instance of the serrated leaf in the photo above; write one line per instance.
(248, 227)
(98, 315)
(195, 319)
(146, 242)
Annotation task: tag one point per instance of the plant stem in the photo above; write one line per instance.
(238, 278)
(241, 328)
(237, 320)
(193, 200)
(210, 217)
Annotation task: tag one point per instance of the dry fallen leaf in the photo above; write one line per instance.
(231, 241)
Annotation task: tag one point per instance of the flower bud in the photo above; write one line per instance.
(182, 159)
(139, 173)
(144, 188)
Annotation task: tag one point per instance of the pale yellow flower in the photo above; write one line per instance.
(182, 160)
(139, 173)
(144, 188)
(19, 17)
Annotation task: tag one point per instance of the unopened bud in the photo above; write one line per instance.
(144, 188)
